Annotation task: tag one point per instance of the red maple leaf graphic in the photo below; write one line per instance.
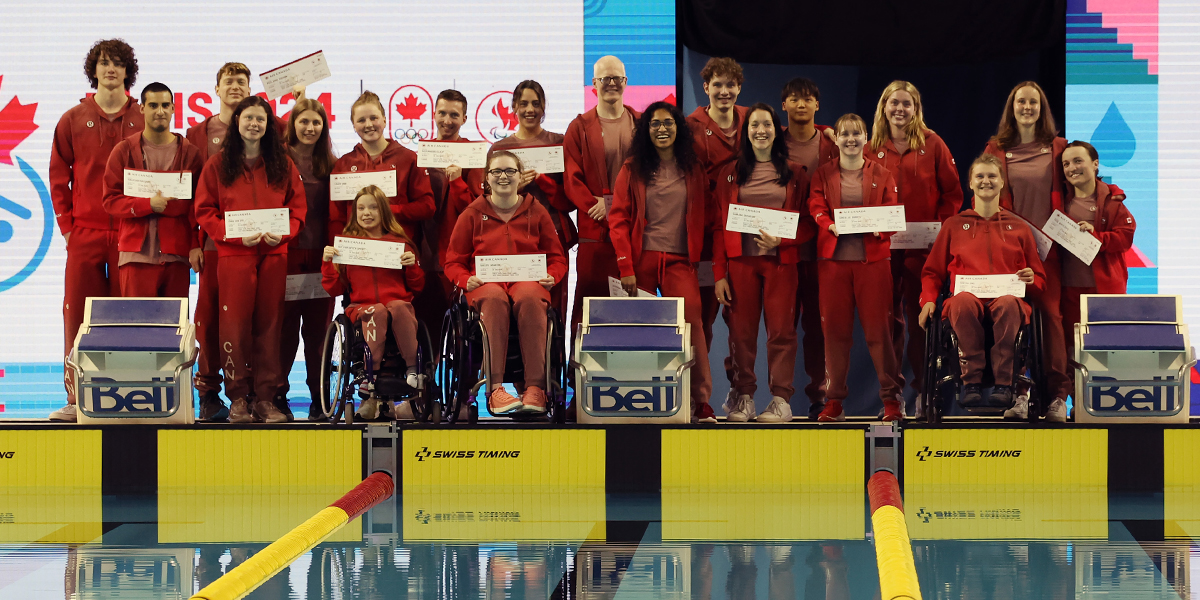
(507, 117)
(411, 109)
(16, 124)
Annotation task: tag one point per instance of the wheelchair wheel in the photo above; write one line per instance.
(556, 369)
(454, 370)
(335, 368)
(426, 403)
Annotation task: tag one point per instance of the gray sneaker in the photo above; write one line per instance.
(1020, 408)
(65, 414)
(1057, 412)
(740, 410)
(368, 410)
(778, 411)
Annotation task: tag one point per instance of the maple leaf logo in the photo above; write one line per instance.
(508, 117)
(411, 109)
(16, 124)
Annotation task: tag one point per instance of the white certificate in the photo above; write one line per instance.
(1042, 240)
(278, 82)
(143, 184)
(705, 275)
(510, 267)
(750, 219)
(305, 286)
(1065, 231)
(917, 235)
(245, 223)
(345, 186)
(616, 290)
(869, 219)
(990, 286)
(439, 155)
(368, 253)
(543, 159)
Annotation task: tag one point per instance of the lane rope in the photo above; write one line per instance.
(893, 548)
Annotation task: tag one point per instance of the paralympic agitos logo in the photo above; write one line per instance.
(926, 453)
(26, 213)
(426, 454)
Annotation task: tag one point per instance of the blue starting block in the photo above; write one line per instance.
(633, 360)
(132, 361)
(1133, 358)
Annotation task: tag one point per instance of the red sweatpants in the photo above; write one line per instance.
(404, 329)
(144, 280)
(207, 317)
(845, 286)
(675, 276)
(91, 272)
(966, 314)
(496, 303)
(595, 262)
(251, 293)
(307, 319)
(763, 286)
(431, 304)
(808, 315)
(1071, 314)
(906, 307)
(1054, 344)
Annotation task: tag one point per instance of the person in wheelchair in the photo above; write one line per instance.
(985, 240)
(503, 222)
(377, 294)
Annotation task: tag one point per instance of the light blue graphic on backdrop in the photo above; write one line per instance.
(25, 214)
(1113, 139)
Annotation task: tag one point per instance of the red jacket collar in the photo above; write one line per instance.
(90, 102)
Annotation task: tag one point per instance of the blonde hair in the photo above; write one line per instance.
(986, 159)
(385, 210)
(367, 97)
(849, 119)
(915, 131)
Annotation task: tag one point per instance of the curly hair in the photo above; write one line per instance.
(1007, 135)
(779, 151)
(645, 155)
(274, 154)
(116, 50)
(725, 67)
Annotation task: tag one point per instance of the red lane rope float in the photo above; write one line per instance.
(271, 560)
(893, 549)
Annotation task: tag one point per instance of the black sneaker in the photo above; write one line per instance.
(316, 412)
(814, 409)
(212, 409)
(281, 402)
(972, 395)
(1001, 396)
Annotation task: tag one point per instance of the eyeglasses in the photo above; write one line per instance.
(610, 80)
(510, 173)
(665, 124)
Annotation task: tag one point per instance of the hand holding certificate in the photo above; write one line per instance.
(990, 286)
(916, 236)
(616, 290)
(439, 155)
(144, 184)
(345, 186)
(368, 253)
(543, 159)
(248, 223)
(1060, 228)
(869, 219)
(502, 268)
(278, 82)
(751, 219)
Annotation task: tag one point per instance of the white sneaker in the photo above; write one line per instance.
(1057, 412)
(65, 414)
(919, 407)
(778, 411)
(1020, 408)
(741, 411)
(411, 379)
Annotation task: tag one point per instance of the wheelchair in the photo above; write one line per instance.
(346, 365)
(461, 372)
(943, 373)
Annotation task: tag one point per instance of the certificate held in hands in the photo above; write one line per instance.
(543, 159)
(247, 223)
(750, 219)
(143, 184)
(345, 186)
(916, 236)
(1060, 228)
(278, 82)
(437, 154)
(502, 268)
(869, 219)
(990, 286)
(368, 253)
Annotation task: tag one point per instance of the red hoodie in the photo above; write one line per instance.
(714, 150)
(879, 189)
(373, 285)
(413, 201)
(1006, 200)
(968, 244)
(248, 192)
(728, 244)
(177, 229)
(586, 176)
(627, 219)
(926, 178)
(480, 231)
(83, 140)
(1114, 228)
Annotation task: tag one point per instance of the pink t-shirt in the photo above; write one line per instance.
(1031, 181)
(806, 154)
(618, 137)
(156, 158)
(1074, 272)
(762, 189)
(850, 246)
(666, 211)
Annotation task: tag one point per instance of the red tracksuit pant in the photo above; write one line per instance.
(207, 318)
(595, 262)
(1071, 314)
(431, 304)
(867, 287)
(675, 276)
(1054, 344)
(144, 280)
(906, 307)
(307, 319)
(251, 293)
(496, 303)
(966, 314)
(404, 329)
(91, 272)
(808, 310)
(763, 287)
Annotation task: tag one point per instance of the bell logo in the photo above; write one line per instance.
(495, 116)
(410, 115)
(26, 213)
